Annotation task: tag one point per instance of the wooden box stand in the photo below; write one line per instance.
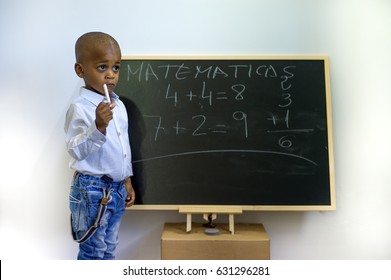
(250, 242)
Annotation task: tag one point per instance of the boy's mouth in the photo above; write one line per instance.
(110, 86)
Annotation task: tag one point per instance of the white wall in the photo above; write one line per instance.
(37, 83)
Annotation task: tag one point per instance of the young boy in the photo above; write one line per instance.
(97, 140)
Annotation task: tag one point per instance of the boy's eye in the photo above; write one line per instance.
(102, 67)
(116, 68)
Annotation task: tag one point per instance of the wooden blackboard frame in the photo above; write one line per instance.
(328, 207)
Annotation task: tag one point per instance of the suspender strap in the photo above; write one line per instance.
(101, 212)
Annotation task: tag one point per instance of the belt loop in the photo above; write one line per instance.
(107, 179)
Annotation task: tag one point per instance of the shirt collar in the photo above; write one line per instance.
(94, 97)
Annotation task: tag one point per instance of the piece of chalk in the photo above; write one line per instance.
(106, 93)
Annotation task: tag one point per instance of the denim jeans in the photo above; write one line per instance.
(84, 200)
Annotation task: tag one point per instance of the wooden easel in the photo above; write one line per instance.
(210, 214)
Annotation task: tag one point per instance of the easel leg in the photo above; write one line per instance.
(231, 223)
(188, 222)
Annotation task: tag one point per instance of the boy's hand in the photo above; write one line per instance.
(131, 194)
(103, 115)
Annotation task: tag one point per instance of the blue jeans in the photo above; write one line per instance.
(84, 199)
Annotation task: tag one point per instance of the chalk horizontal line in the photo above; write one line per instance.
(224, 151)
(291, 130)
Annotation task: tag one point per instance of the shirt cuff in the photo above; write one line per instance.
(97, 137)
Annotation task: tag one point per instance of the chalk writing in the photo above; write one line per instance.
(146, 72)
(231, 91)
(199, 127)
(235, 92)
(226, 151)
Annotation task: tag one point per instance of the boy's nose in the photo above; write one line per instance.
(110, 75)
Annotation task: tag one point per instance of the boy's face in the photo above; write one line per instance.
(100, 65)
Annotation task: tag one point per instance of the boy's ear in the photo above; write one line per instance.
(79, 70)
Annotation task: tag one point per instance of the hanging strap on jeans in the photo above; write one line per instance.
(101, 212)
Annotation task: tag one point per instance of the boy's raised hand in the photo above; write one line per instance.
(103, 115)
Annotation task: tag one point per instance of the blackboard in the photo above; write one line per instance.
(253, 132)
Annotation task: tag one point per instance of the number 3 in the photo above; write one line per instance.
(287, 97)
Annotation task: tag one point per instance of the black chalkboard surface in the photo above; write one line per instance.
(252, 132)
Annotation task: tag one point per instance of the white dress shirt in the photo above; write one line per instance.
(93, 153)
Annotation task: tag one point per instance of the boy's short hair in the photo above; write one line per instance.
(90, 39)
